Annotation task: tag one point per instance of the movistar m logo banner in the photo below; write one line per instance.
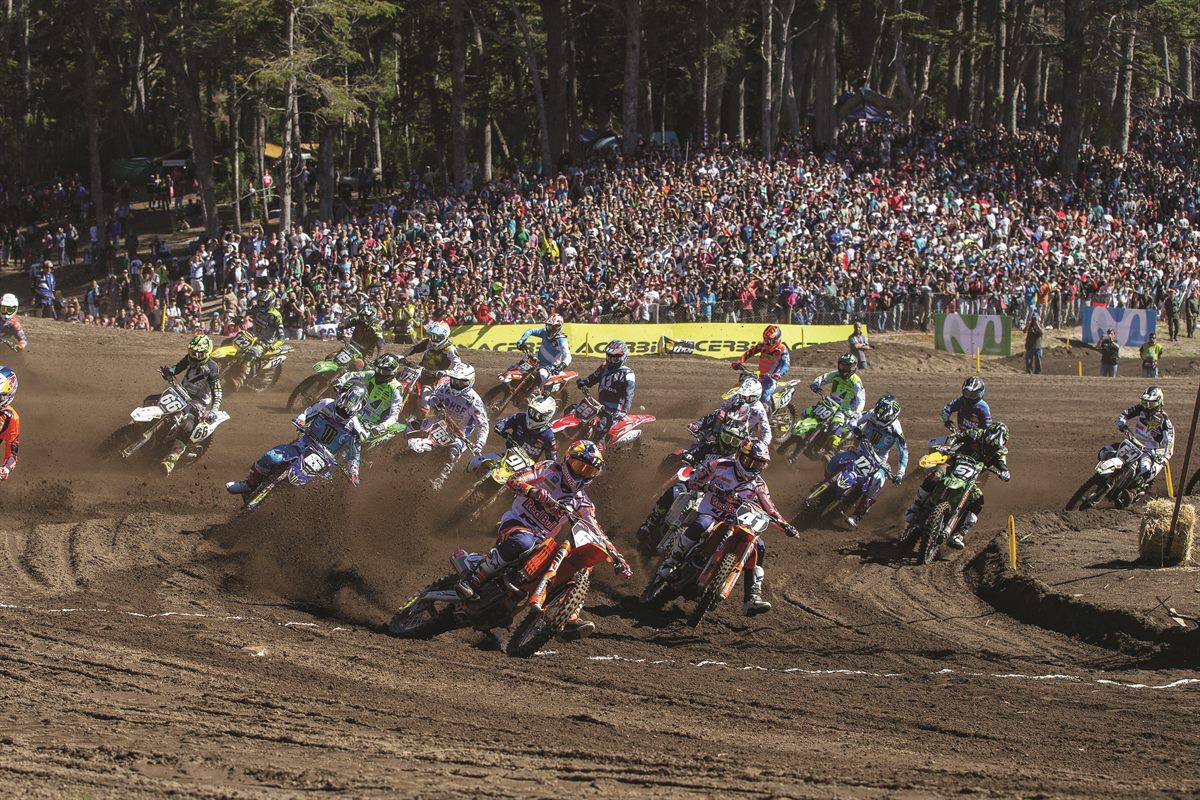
(987, 334)
(1133, 325)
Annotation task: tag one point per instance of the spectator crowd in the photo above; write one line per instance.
(897, 224)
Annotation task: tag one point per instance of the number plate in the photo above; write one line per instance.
(171, 402)
(822, 412)
(752, 518)
(585, 410)
(342, 357)
(440, 435)
(864, 466)
(243, 340)
(965, 471)
(517, 461)
(313, 464)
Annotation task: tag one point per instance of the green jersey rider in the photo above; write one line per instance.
(846, 389)
(381, 411)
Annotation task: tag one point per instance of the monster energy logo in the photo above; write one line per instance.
(990, 335)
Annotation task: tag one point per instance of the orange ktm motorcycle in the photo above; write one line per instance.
(550, 584)
(709, 571)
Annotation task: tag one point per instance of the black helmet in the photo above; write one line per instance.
(847, 364)
(973, 388)
(386, 366)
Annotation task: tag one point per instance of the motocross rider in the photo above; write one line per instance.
(555, 353)
(530, 430)
(463, 408)
(544, 496)
(846, 388)
(988, 445)
(970, 408)
(10, 422)
(774, 360)
(616, 386)
(437, 352)
(725, 483)
(365, 331)
(733, 432)
(332, 423)
(746, 403)
(200, 378)
(266, 319)
(384, 400)
(9, 325)
(878, 430)
(1148, 425)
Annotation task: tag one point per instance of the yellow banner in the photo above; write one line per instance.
(712, 339)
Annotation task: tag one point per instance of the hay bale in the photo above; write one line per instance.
(1155, 532)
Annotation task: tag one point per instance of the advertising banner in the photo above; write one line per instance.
(1133, 325)
(987, 334)
(712, 339)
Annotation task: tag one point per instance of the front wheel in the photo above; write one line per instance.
(782, 422)
(714, 592)
(307, 392)
(265, 379)
(121, 438)
(539, 627)
(935, 530)
(1091, 493)
(1193, 483)
(419, 619)
(657, 593)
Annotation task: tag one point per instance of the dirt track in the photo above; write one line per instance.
(151, 644)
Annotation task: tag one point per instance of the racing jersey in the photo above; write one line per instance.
(384, 399)
(465, 410)
(201, 382)
(432, 359)
(971, 444)
(848, 391)
(366, 336)
(1154, 432)
(772, 360)
(554, 353)
(328, 428)
(883, 439)
(721, 474)
(971, 413)
(10, 435)
(616, 387)
(268, 324)
(517, 433)
(754, 412)
(528, 512)
(12, 327)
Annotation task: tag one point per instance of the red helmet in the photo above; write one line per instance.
(554, 323)
(772, 335)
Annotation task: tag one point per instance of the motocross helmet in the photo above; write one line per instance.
(8, 386)
(199, 349)
(554, 324)
(462, 377)
(582, 463)
(752, 458)
(749, 391)
(996, 434)
(266, 299)
(887, 409)
(973, 389)
(367, 313)
(540, 412)
(615, 354)
(386, 366)
(772, 335)
(350, 400)
(847, 364)
(8, 306)
(734, 431)
(439, 335)
(1152, 400)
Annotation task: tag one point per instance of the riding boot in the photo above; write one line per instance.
(650, 526)
(678, 551)
(177, 450)
(860, 510)
(910, 514)
(253, 480)
(469, 585)
(965, 524)
(753, 582)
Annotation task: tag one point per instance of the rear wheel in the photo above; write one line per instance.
(1089, 494)
(496, 399)
(935, 527)
(712, 596)
(420, 619)
(1193, 483)
(539, 627)
(307, 392)
(657, 593)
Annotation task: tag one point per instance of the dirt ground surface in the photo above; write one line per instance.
(153, 642)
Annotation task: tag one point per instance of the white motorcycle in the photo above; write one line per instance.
(156, 426)
(1115, 478)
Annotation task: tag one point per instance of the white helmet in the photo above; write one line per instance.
(8, 306)
(462, 377)
(541, 411)
(750, 390)
(439, 335)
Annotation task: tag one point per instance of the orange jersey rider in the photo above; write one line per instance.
(10, 422)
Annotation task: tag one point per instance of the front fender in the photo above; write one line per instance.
(225, 351)
(325, 367)
(1109, 466)
(146, 414)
